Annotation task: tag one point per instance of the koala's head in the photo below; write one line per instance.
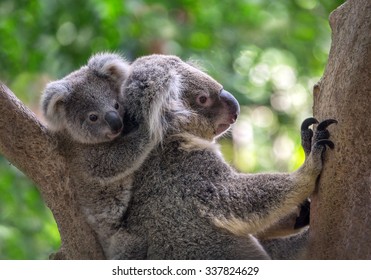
(174, 95)
(87, 103)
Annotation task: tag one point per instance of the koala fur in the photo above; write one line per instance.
(85, 112)
(187, 202)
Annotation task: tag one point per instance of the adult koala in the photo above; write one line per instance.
(85, 111)
(187, 203)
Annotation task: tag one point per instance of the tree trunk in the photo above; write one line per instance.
(26, 143)
(341, 207)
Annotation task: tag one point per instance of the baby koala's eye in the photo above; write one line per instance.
(117, 106)
(93, 117)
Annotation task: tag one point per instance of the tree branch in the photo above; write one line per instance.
(24, 140)
(29, 146)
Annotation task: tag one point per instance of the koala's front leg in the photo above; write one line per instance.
(297, 219)
(257, 201)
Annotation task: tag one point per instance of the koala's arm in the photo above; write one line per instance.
(251, 203)
(115, 160)
(255, 202)
(299, 218)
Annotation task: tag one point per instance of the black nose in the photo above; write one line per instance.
(114, 121)
(232, 103)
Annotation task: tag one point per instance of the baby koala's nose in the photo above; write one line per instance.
(114, 121)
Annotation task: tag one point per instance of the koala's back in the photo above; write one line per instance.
(167, 208)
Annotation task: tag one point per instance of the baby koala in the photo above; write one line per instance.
(85, 112)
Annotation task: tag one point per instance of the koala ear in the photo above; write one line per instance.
(52, 103)
(198, 64)
(167, 109)
(110, 65)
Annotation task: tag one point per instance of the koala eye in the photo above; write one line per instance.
(117, 106)
(203, 100)
(93, 117)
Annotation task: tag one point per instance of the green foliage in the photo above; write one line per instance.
(267, 53)
(27, 228)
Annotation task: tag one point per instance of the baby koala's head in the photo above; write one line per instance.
(87, 103)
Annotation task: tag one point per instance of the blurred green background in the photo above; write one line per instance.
(269, 54)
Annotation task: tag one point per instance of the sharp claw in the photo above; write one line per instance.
(324, 124)
(325, 142)
(307, 122)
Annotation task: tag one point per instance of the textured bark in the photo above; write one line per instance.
(341, 208)
(26, 143)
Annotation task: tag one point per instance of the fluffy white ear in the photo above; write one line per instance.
(52, 103)
(110, 65)
(168, 103)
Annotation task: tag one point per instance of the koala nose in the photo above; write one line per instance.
(232, 104)
(114, 121)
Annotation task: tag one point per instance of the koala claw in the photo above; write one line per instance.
(321, 131)
(308, 122)
(307, 135)
(324, 124)
(324, 143)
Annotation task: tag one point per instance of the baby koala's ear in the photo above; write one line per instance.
(110, 65)
(53, 104)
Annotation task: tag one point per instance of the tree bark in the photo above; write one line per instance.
(27, 144)
(341, 207)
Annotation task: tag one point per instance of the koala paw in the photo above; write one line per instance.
(308, 136)
(315, 153)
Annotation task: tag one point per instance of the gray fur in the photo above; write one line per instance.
(187, 203)
(100, 160)
(291, 247)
